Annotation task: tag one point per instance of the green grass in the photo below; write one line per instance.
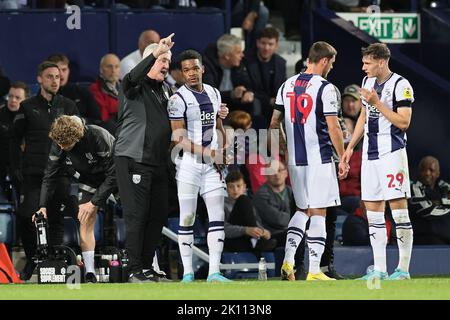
(424, 288)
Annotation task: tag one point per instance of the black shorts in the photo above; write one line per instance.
(84, 196)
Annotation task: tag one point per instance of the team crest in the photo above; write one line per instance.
(136, 178)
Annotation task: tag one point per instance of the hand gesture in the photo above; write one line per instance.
(223, 111)
(344, 168)
(164, 45)
(371, 97)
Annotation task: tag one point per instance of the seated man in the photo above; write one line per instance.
(351, 102)
(106, 90)
(10, 149)
(243, 228)
(89, 151)
(430, 205)
(130, 61)
(267, 71)
(224, 70)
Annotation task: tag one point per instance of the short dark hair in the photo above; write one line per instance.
(21, 85)
(188, 55)
(377, 51)
(45, 65)
(58, 57)
(234, 176)
(320, 50)
(269, 32)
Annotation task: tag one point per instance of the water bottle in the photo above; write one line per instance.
(262, 269)
(41, 232)
(124, 263)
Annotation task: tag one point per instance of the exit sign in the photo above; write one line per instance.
(387, 27)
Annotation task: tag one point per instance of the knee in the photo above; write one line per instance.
(187, 219)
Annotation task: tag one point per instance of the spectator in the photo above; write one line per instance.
(267, 71)
(252, 16)
(32, 124)
(51, 4)
(350, 188)
(175, 77)
(4, 85)
(10, 150)
(106, 89)
(275, 205)
(10, 4)
(430, 205)
(82, 97)
(131, 60)
(246, 155)
(351, 102)
(243, 227)
(292, 12)
(223, 70)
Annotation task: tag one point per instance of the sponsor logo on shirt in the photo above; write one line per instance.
(207, 118)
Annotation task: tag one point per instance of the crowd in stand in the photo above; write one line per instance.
(258, 207)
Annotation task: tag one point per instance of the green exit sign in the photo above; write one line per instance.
(388, 27)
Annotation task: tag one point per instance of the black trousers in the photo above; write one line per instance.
(29, 204)
(143, 191)
(241, 215)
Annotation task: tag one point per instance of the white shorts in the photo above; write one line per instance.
(386, 178)
(315, 186)
(191, 171)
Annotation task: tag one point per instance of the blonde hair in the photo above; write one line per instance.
(67, 130)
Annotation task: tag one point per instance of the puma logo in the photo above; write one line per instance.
(220, 240)
(372, 235)
(187, 244)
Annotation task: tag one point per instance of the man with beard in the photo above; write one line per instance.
(32, 125)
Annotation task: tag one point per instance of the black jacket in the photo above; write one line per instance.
(32, 123)
(213, 73)
(85, 102)
(9, 148)
(254, 71)
(91, 158)
(4, 84)
(143, 128)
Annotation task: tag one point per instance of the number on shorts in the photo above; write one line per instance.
(398, 177)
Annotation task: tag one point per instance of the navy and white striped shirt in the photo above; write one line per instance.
(381, 137)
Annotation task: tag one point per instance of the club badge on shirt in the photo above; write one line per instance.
(136, 178)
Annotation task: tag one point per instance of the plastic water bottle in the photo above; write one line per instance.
(262, 269)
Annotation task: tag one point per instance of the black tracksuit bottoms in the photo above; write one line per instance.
(143, 191)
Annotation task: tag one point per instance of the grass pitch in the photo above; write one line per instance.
(423, 288)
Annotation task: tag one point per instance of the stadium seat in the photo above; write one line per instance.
(7, 224)
(120, 233)
(237, 258)
(6, 228)
(71, 233)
